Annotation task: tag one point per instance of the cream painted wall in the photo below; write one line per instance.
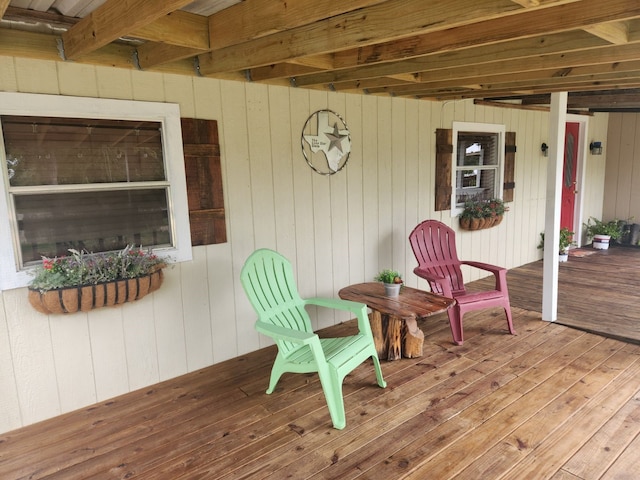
(622, 180)
(336, 231)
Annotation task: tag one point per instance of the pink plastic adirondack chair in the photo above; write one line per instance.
(434, 246)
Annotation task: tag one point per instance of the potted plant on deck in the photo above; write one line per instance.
(565, 242)
(83, 281)
(392, 282)
(602, 232)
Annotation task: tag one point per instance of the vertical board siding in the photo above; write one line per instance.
(622, 174)
(335, 230)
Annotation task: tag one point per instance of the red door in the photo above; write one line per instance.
(569, 176)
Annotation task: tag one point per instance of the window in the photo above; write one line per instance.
(478, 169)
(89, 174)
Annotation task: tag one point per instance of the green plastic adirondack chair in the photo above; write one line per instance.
(267, 278)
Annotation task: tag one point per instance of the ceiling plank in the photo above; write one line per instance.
(525, 24)
(111, 20)
(252, 19)
(602, 72)
(378, 23)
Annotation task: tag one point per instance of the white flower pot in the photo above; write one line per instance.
(601, 242)
(563, 257)
(392, 289)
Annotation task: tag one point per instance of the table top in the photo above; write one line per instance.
(410, 303)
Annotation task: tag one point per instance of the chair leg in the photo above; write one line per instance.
(455, 321)
(332, 387)
(276, 372)
(378, 369)
(507, 311)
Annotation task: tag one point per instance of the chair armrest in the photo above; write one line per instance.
(336, 303)
(499, 273)
(484, 266)
(287, 334)
(443, 282)
(357, 308)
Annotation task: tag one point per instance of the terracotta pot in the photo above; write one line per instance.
(88, 297)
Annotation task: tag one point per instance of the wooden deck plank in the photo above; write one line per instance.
(606, 445)
(551, 402)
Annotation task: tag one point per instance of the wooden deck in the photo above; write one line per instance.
(551, 402)
(599, 292)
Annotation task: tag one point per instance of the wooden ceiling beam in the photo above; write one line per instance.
(613, 32)
(152, 54)
(378, 23)
(280, 70)
(456, 94)
(112, 20)
(4, 4)
(253, 19)
(179, 28)
(529, 23)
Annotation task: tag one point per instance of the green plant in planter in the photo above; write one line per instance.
(388, 276)
(566, 240)
(613, 228)
(474, 208)
(83, 268)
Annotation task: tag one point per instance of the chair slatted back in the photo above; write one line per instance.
(434, 246)
(267, 278)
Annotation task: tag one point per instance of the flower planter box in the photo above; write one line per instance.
(88, 297)
(480, 223)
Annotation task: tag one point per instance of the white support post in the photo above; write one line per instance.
(557, 122)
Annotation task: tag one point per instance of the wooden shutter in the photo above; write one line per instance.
(509, 166)
(444, 164)
(204, 181)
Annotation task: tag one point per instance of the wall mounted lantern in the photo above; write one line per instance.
(596, 148)
(545, 149)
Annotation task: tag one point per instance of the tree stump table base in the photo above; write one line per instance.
(394, 337)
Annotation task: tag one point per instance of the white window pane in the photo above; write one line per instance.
(50, 224)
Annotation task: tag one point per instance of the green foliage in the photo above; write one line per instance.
(483, 208)
(83, 268)
(388, 276)
(598, 227)
(566, 240)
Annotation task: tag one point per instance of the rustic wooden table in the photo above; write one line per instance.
(394, 319)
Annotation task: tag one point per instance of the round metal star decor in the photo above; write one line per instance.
(326, 143)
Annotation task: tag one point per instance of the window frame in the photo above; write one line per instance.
(167, 114)
(463, 127)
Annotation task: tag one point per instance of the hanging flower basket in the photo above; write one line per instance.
(480, 223)
(88, 297)
(481, 214)
(83, 281)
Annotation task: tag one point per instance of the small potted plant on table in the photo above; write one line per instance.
(602, 232)
(392, 282)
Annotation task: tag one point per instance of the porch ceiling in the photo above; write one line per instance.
(512, 51)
